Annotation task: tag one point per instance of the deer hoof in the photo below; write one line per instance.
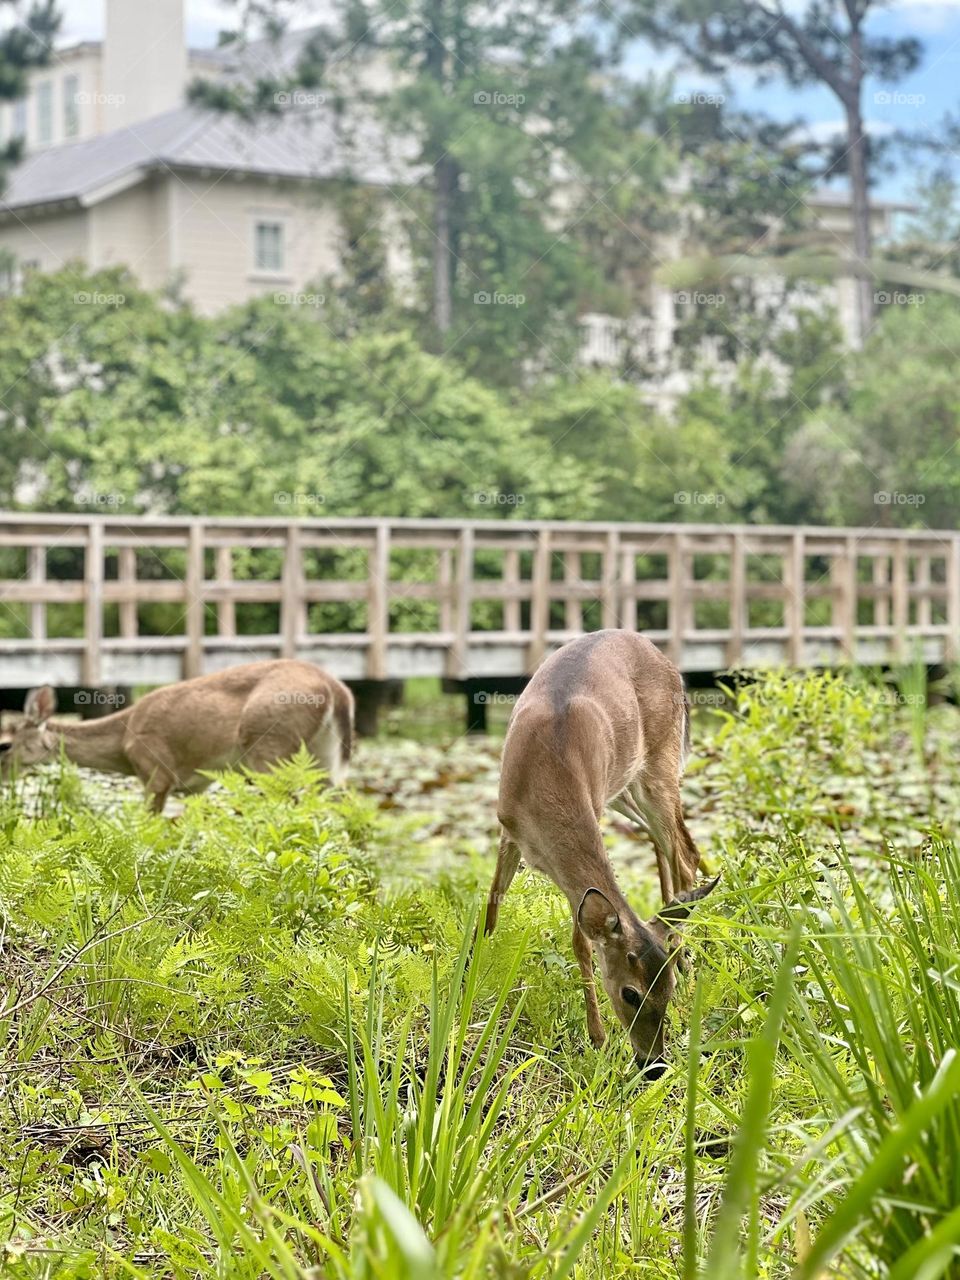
(597, 1036)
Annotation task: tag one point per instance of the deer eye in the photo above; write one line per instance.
(631, 997)
(5, 746)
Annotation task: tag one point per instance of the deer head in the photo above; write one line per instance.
(31, 742)
(638, 965)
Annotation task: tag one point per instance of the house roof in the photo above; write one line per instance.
(300, 144)
(825, 198)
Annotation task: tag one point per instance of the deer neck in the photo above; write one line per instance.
(94, 744)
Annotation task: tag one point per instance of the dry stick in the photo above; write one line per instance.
(555, 1193)
(58, 973)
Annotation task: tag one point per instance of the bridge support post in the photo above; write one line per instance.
(369, 696)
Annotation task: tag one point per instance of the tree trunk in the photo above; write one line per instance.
(444, 172)
(857, 164)
(445, 185)
(857, 160)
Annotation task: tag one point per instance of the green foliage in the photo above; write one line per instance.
(866, 462)
(240, 1045)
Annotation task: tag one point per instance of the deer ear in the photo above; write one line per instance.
(40, 704)
(679, 909)
(597, 917)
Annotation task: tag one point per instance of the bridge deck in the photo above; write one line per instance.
(100, 600)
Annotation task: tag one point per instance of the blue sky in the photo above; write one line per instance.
(918, 103)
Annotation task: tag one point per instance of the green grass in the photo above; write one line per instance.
(241, 1045)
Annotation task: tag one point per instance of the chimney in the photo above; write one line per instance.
(144, 60)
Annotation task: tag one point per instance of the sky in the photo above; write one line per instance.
(917, 104)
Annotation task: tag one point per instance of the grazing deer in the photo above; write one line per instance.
(604, 721)
(252, 715)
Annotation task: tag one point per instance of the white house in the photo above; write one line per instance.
(120, 170)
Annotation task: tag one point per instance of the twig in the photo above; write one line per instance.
(58, 973)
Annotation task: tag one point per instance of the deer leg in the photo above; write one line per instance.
(156, 797)
(677, 853)
(583, 950)
(660, 821)
(626, 806)
(688, 853)
(508, 859)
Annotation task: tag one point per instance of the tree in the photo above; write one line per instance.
(891, 454)
(817, 42)
(524, 139)
(26, 42)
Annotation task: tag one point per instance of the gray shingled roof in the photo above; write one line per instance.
(299, 144)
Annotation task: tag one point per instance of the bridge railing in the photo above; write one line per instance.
(491, 597)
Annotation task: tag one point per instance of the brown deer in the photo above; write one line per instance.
(604, 721)
(252, 715)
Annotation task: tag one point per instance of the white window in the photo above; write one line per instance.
(45, 112)
(20, 118)
(71, 108)
(268, 246)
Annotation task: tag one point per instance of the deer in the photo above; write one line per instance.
(604, 722)
(253, 715)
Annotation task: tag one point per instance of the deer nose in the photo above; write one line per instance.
(651, 1070)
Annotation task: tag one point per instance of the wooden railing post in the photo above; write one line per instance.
(679, 605)
(738, 600)
(572, 609)
(628, 601)
(93, 603)
(511, 579)
(457, 661)
(952, 647)
(293, 612)
(445, 588)
(193, 654)
(378, 603)
(843, 579)
(610, 615)
(881, 578)
(924, 610)
(540, 601)
(900, 593)
(127, 577)
(795, 610)
(37, 575)
(226, 609)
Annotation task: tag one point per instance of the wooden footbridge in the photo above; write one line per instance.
(100, 601)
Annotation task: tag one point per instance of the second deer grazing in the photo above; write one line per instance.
(253, 715)
(603, 722)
